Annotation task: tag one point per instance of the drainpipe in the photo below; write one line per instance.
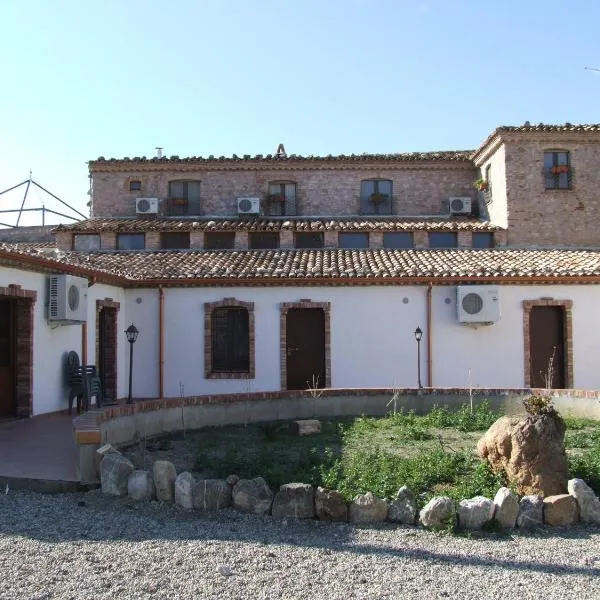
(161, 358)
(429, 357)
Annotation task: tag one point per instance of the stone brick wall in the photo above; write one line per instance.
(35, 233)
(418, 188)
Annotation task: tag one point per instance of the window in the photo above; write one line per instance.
(135, 185)
(263, 240)
(86, 241)
(309, 239)
(230, 340)
(130, 241)
(398, 239)
(376, 197)
(184, 197)
(442, 239)
(353, 240)
(175, 240)
(483, 240)
(219, 240)
(281, 199)
(557, 170)
(488, 179)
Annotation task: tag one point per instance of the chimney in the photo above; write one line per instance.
(159, 150)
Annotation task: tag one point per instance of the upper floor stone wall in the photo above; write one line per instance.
(421, 189)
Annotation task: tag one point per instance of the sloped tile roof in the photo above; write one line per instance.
(310, 266)
(367, 223)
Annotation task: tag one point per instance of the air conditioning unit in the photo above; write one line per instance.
(248, 206)
(67, 299)
(478, 304)
(146, 206)
(459, 205)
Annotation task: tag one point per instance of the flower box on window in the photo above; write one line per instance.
(560, 169)
(481, 185)
(378, 199)
(178, 201)
(276, 198)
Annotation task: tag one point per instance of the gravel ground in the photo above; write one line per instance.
(91, 546)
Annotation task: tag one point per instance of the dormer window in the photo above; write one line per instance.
(557, 170)
(376, 197)
(184, 197)
(281, 199)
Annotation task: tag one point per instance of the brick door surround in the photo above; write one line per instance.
(567, 306)
(24, 303)
(303, 303)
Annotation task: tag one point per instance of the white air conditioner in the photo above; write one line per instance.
(248, 206)
(146, 206)
(478, 304)
(459, 205)
(67, 299)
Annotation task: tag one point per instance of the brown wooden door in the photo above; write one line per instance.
(305, 348)
(103, 363)
(8, 399)
(547, 346)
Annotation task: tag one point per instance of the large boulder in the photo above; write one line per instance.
(589, 504)
(115, 470)
(403, 508)
(296, 500)
(531, 512)
(560, 510)
(184, 483)
(164, 480)
(367, 508)
(531, 451)
(438, 513)
(140, 486)
(211, 495)
(330, 505)
(475, 512)
(506, 506)
(253, 496)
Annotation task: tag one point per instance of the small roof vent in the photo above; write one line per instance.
(281, 153)
(159, 150)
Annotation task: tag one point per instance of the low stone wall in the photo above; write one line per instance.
(126, 424)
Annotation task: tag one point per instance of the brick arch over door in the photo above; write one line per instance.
(567, 334)
(302, 304)
(24, 301)
(106, 346)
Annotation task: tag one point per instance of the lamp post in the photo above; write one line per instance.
(132, 333)
(418, 336)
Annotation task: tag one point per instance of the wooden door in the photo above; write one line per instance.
(547, 347)
(103, 366)
(305, 348)
(8, 397)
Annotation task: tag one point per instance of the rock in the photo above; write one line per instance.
(164, 480)
(232, 480)
(367, 508)
(560, 510)
(140, 486)
(184, 483)
(506, 508)
(330, 505)
(475, 512)
(403, 509)
(438, 513)
(589, 504)
(531, 451)
(304, 427)
(102, 452)
(295, 500)
(531, 512)
(115, 470)
(211, 495)
(253, 496)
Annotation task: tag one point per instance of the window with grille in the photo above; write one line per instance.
(309, 239)
(398, 239)
(353, 240)
(86, 241)
(558, 172)
(281, 199)
(175, 240)
(230, 340)
(184, 197)
(442, 239)
(130, 241)
(263, 240)
(219, 240)
(376, 197)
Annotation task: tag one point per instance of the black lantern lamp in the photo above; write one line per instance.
(132, 334)
(418, 336)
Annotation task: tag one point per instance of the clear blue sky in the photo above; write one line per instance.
(119, 77)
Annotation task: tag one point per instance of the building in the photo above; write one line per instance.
(284, 272)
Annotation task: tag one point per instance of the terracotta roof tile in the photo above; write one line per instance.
(267, 266)
(366, 223)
